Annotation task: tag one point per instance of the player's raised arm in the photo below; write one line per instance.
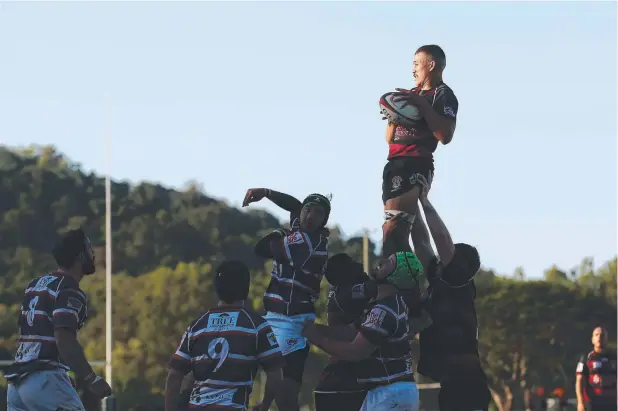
(421, 241)
(282, 200)
(439, 232)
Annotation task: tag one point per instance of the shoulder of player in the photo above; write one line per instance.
(70, 285)
(253, 318)
(444, 88)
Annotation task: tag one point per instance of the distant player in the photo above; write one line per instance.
(381, 347)
(223, 348)
(299, 262)
(595, 383)
(449, 346)
(410, 152)
(338, 388)
(54, 308)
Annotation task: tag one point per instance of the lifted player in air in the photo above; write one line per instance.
(338, 388)
(299, 262)
(410, 152)
(381, 346)
(54, 308)
(449, 347)
(223, 348)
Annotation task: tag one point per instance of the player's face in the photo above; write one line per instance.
(385, 268)
(422, 68)
(311, 218)
(598, 337)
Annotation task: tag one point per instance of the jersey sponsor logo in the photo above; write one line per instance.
(449, 111)
(596, 379)
(74, 303)
(295, 238)
(272, 340)
(580, 367)
(596, 364)
(222, 321)
(376, 317)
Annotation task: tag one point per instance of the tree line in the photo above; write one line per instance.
(166, 243)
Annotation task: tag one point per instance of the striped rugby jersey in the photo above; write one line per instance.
(299, 264)
(52, 301)
(386, 326)
(223, 348)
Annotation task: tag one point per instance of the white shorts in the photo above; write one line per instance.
(400, 396)
(44, 391)
(289, 330)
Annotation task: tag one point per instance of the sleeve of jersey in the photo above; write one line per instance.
(181, 360)
(581, 366)
(70, 303)
(446, 104)
(379, 324)
(269, 354)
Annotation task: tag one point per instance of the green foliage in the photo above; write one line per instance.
(166, 242)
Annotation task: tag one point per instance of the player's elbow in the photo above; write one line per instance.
(64, 338)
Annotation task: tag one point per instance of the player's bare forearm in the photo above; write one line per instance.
(421, 240)
(442, 128)
(439, 232)
(172, 389)
(390, 132)
(72, 353)
(579, 389)
(284, 201)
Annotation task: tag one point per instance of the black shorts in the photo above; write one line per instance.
(339, 401)
(294, 366)
(399, 173)
(461, 394)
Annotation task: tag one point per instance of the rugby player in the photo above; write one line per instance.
(596, 376)
(223, 348)
(54, 308)
(338, 388)
(381, 345)
(449, 346)
(410, 150)
(299, 262)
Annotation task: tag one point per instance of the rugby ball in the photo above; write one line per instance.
(399, 112)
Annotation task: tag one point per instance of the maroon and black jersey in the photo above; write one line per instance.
(385, 325)
(420, 141)
(299, 263)
(599, 374)
(223, 349)
(50, 302)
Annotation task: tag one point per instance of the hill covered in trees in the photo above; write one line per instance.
(165, 243)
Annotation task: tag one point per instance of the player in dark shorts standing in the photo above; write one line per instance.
(449, 346)
(223, 348)
(338, 388)
(596, 376)
(54, 308)
(381, 346)
(299, 263)
(410, 150)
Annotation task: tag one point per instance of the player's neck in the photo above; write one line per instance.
(432, 83)
(235, 304)
(70, 273)
(598, 350)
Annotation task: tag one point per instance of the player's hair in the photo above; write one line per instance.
(470, 255)
(603, 331)
(341, 270)
(436, 53)
(232, 280)
(69, 247)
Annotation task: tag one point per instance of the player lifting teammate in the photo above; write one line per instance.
(411, 150)
(299, 262)
(449, 347)
(54, 308)
(381, 345)
(223, 348)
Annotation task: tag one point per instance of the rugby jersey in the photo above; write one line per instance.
(351, 300)
(223, 349)
(386, 325)
(599, 373)
(52, 301)
(299, 263)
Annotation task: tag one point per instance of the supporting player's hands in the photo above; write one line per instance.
(253, 195)
(409, 97)
(100, 387)
(425, 186)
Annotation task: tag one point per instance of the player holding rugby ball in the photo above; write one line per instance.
(418, 119)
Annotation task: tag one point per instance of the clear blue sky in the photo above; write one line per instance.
(237, 95)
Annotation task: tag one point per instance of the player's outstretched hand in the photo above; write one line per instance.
(408, 96)
(425, 186)
(253, 195)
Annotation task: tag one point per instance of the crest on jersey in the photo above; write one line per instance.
(295, 238)
(396, 183)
